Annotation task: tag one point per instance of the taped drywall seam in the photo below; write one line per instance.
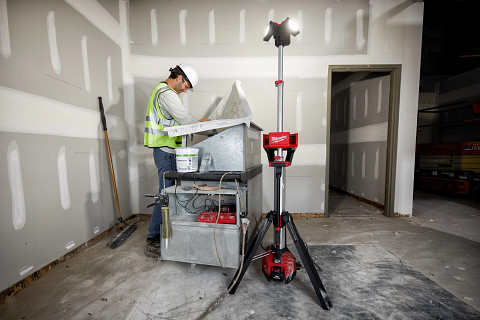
(271, 15)
(109, 80)
(241, 35)
(360, 37)
(93, 177)
(86, 70)
(355, 107)
(23, 271)
(16, 186)
(299, 122)
(328, 25)
(52, 42)
(363, 164)
(154, 26)
(63, 179)
(380, 91)
(53, 117)
(299, 21)
(353, 163)
(182, 17)
(70, 245)
(211, 27)
(366, 103)
(364, 134)
(94, 12)
(4, 30)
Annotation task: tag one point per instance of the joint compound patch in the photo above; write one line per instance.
(16, 186)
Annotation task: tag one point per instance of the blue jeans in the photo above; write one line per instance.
(165, 162)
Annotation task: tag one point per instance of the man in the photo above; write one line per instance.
(165, 109)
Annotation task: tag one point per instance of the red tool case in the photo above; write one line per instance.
(211, 217)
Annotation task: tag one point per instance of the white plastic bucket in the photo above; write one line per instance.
(187, 159)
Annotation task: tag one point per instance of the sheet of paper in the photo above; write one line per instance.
(232, 110)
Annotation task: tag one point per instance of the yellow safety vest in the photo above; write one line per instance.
(155, 122)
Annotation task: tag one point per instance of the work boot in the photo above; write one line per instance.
(152, 249)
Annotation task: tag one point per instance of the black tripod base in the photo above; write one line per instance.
(287, 221)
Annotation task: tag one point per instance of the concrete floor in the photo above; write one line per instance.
(435, 255)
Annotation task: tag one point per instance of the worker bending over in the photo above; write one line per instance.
(165, 109)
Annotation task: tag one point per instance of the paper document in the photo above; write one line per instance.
(232, 110)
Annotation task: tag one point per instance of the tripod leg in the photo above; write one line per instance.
(251, 251)
(308, 263)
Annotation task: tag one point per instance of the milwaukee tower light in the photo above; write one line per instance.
(278, 263)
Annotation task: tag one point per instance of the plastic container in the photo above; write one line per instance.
(205, 165)
(187, 159)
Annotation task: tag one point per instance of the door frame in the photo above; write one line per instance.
(395, 71)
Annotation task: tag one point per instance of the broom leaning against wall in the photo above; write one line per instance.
(125, 229)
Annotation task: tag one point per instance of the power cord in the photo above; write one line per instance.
(216, 303)
(218, 216)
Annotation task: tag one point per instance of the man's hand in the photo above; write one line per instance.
(203, 120)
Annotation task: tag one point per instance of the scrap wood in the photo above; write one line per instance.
(204, 187)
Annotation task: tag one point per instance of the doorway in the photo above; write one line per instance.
(362, 138)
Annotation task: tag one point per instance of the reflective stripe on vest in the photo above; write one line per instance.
(156, 122)
(165, 122)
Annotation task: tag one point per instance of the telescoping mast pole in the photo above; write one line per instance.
(279, 183)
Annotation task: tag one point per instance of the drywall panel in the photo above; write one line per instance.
(63, 185)
(235, 28)
(57, 53)
(111, 7)
(359, 169)
(358, 134)
(54, 170)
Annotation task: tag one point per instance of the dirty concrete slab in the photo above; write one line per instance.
(451, 261)
(363, 282)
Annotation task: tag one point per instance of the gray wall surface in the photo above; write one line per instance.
(358, 133)
(54, 173)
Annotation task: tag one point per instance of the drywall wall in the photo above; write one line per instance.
(223, 41)
(358, 135)
(54, 175)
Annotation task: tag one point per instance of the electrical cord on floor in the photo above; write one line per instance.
(216, 303)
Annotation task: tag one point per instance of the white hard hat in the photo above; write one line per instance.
(190, 73)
